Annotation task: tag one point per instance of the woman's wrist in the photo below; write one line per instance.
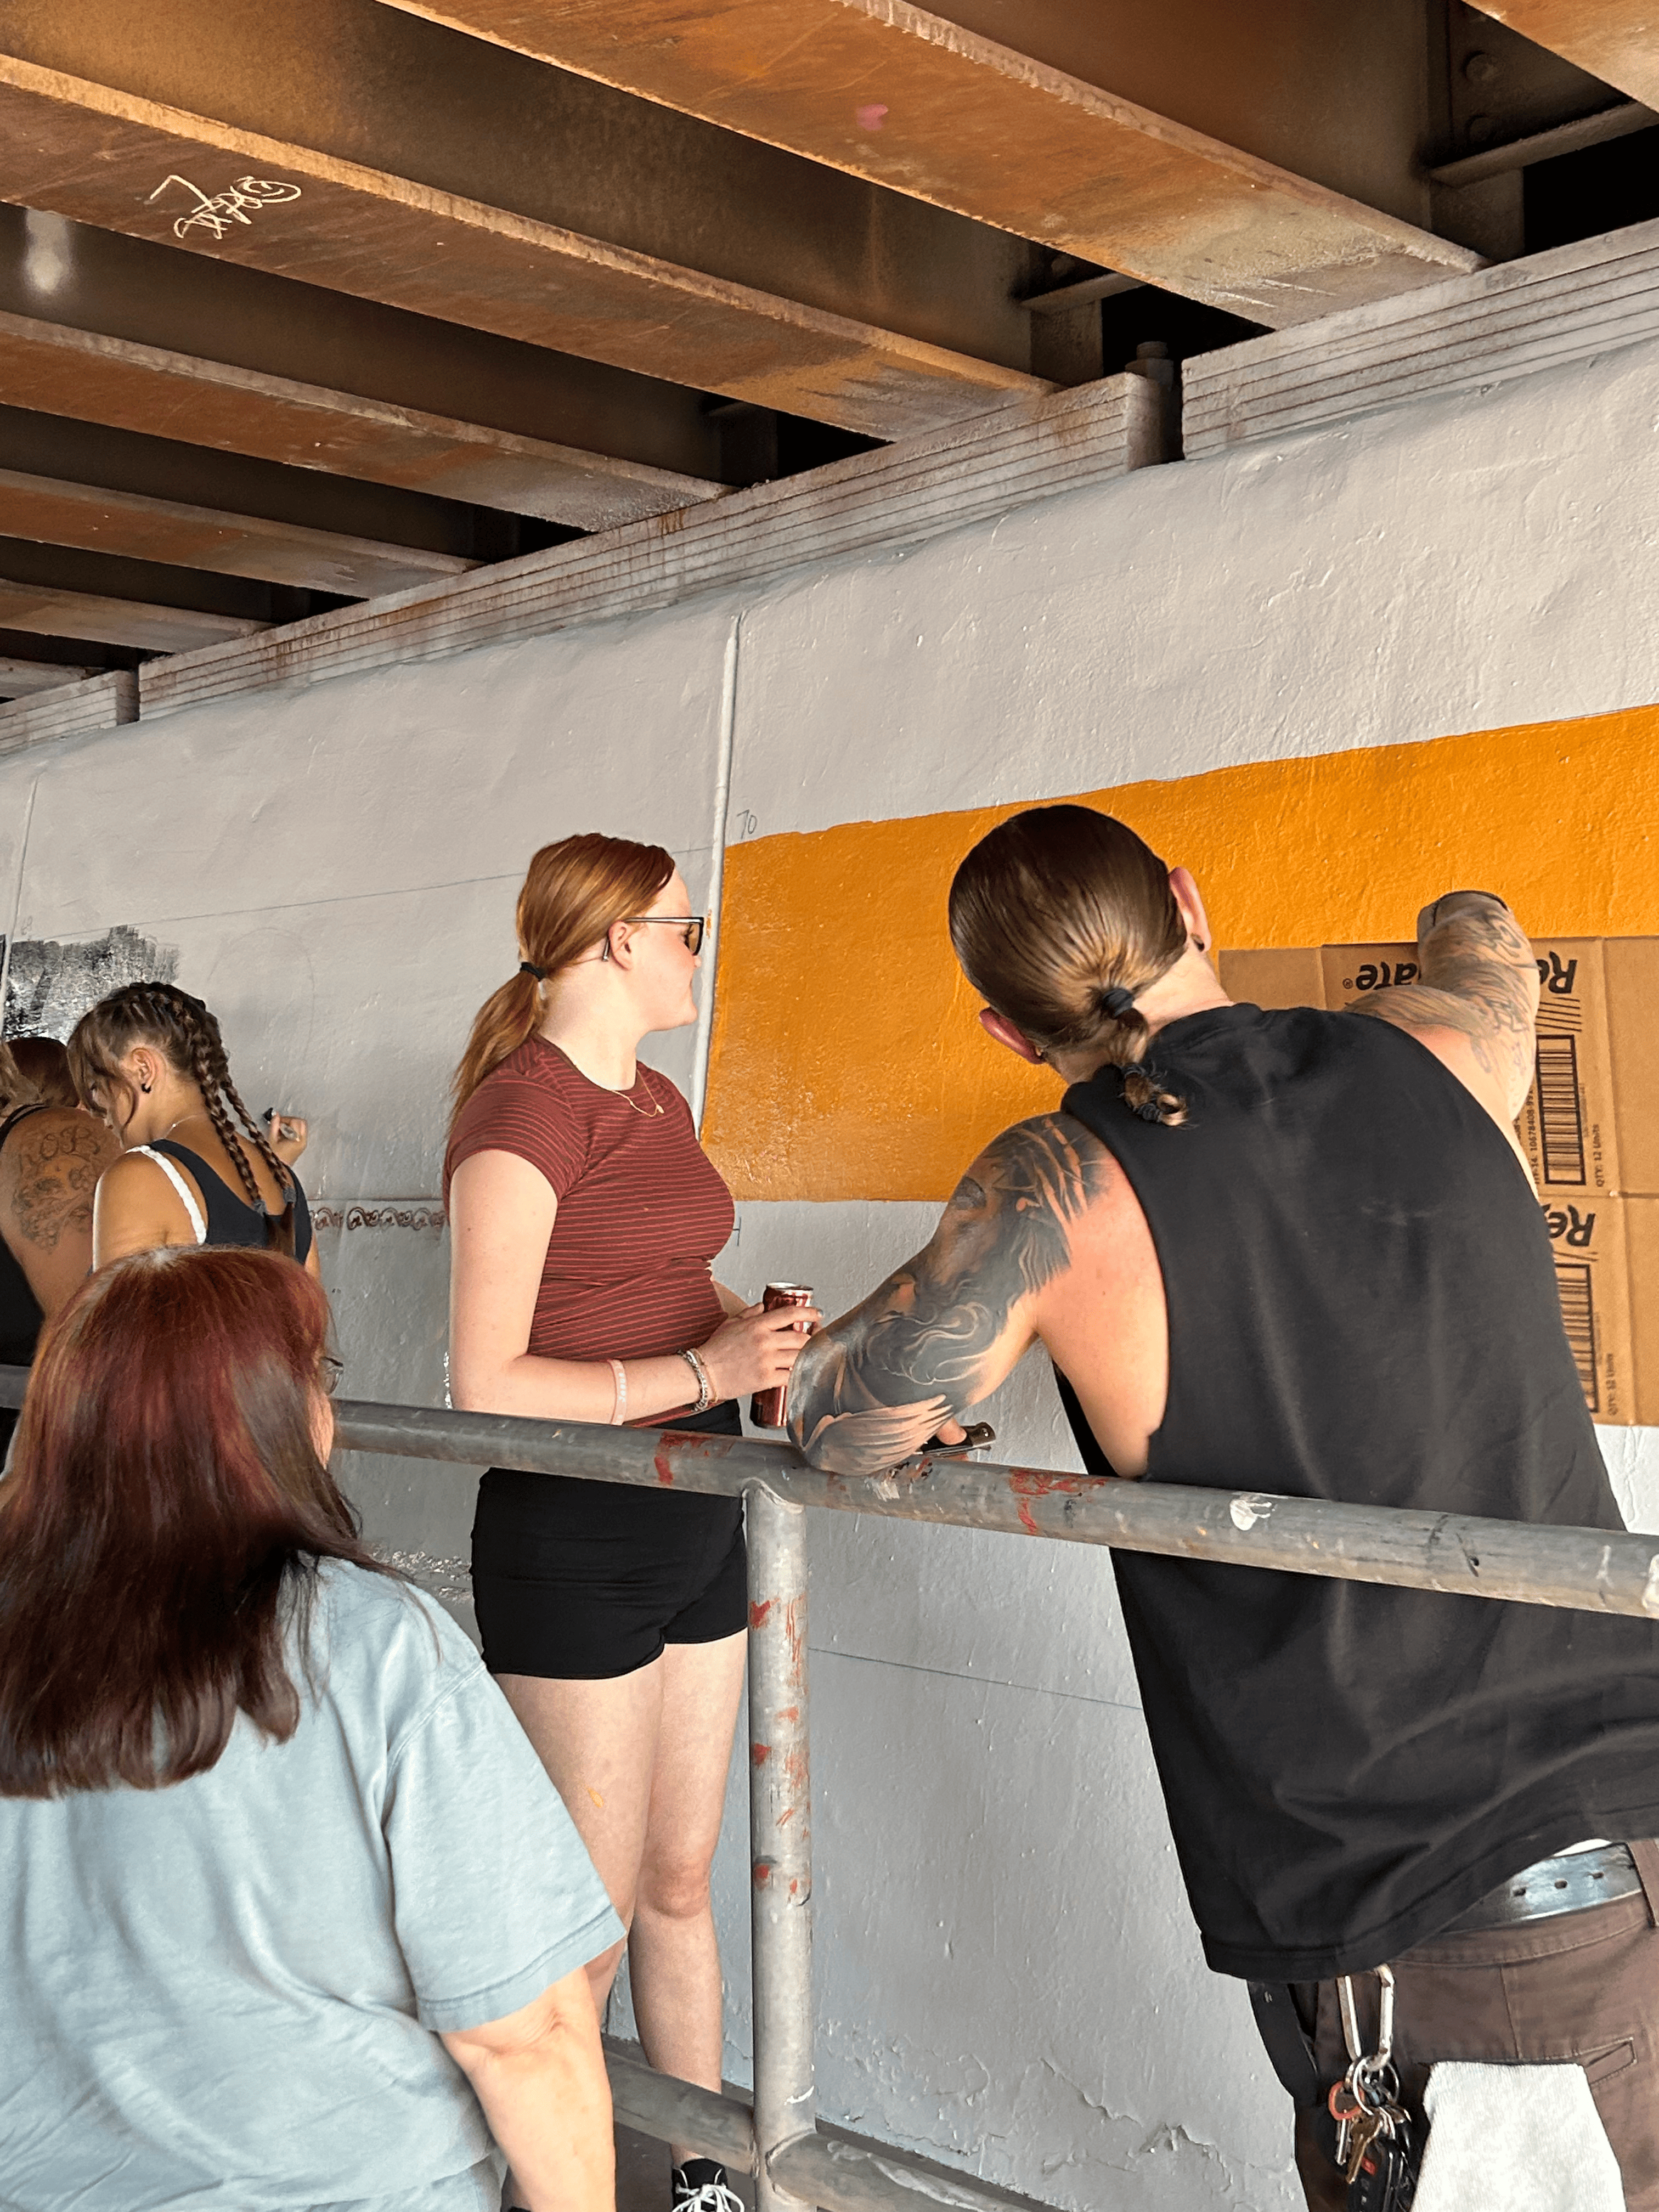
(657, 1385)
(693, 1360)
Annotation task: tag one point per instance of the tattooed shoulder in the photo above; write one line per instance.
(1478, 980)
(48, 1173)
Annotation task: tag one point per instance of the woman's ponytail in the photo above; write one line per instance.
(502, 1025)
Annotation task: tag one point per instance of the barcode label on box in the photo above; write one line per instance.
(1572, 1279)
(1560, 1112)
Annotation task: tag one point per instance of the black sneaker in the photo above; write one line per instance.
(702, 2184)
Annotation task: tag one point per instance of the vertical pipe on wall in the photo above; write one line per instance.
(780, 1833)
(16, 901)
(716, 870)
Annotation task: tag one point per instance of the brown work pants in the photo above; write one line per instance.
(1582, 1987)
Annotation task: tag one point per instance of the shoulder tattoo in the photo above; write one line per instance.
(55, 1171)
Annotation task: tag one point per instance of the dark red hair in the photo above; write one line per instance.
(163, 1521)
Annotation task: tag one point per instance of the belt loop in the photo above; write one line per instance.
(1644, 1857)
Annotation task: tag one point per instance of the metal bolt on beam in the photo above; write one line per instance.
(780, 1835)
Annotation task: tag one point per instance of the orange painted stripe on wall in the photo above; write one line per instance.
(848, 1062)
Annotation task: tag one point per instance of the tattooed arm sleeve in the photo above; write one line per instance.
(1479, 978)
(945, 1328)
(49, 1169)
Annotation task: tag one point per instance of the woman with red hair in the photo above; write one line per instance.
(584, 1220)
(276, 1932)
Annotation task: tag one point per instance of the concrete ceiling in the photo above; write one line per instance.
(287, 321)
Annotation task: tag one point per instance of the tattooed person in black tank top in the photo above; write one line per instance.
(1300, 1253)
(50, 1158)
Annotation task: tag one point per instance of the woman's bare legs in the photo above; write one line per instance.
(641, 1760)
(674, 1964)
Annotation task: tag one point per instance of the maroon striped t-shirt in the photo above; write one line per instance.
(642, 1210)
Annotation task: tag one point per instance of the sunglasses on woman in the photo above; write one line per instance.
(693, 925)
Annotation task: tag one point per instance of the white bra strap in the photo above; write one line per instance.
(180, 1186)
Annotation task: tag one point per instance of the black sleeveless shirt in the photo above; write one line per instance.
(230, 1218)
(1362, 1306)
(21, 1317)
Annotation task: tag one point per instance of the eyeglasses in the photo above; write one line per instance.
(329, 1370)
(694, 924)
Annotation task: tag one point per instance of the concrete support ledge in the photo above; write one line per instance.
(1564, 305)
(98, 702)
(921, 489)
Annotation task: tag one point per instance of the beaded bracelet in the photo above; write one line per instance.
(705, 1388)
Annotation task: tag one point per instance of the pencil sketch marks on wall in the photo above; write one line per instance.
(49, 986)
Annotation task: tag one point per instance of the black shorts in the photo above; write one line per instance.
(581, 1582)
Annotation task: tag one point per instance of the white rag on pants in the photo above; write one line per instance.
(1516, 2139)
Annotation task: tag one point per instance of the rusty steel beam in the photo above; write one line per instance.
(92, 377)
(53, 512)
(1617, 40)
(927, 106)
(49, 612)
(109, 158)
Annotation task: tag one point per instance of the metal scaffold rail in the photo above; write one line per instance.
(796, 2160)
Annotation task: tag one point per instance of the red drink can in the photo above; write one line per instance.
(766, 1407)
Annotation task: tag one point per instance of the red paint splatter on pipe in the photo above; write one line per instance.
(759, 1754)
(1042, 1482)
(788, 1713)
(757, 1614)
(664, 1473)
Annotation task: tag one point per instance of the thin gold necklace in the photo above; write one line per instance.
(656, 1104)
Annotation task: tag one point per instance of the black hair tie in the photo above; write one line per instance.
(1116, 1001)
(529, 968)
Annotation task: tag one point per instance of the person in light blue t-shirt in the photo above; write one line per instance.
(294, 1917)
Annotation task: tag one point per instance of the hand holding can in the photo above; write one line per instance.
(766, 1407)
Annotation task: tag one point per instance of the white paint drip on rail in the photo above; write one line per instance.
(1249, 1507)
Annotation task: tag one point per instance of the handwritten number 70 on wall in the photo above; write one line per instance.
(237, 204)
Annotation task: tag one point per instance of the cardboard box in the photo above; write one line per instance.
(1642, 1237)
(1590, 1245)
(1590, 1128)
(1631, 965)
(1569, 1125)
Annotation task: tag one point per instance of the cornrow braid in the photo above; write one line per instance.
(189, 1036)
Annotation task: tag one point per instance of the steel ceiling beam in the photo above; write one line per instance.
(927, 107)
(185, 303)
(100, 155)
(49, 612)
(1617, 40)
(90, 378)
(54, 512)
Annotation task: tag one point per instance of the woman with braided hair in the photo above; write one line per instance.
(195, 1167)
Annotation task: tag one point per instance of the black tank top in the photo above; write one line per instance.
(21, 1317)
(1362, 1306)
(230, 1218)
